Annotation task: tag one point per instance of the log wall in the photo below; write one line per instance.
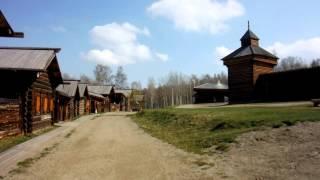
(10, 119)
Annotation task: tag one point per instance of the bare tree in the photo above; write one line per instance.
(120, 78)
(136, 85)
(315, 63)
(176, 89)
(85, 79)
(290, 63)
(103, 74)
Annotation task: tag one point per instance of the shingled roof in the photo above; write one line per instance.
(211, 86)
(249, 47)
(6, 30)
(249, 50)
(82, 89)
(100, 89)
(68, 88)
(249, 35)
(24, 58)
(125, 92)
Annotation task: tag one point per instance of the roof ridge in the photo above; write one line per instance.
(56, 50)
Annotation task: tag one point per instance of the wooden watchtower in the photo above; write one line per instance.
(245, 65)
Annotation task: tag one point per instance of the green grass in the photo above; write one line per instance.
(196, 130)
(8, 142)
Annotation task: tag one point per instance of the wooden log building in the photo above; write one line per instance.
(101, 97)
(84, 107)
(29, 77)
(245, 65)
(68, 100)
(210, 93)
(123, 99)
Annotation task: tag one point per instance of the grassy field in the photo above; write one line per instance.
(9, 142)
(196, 130)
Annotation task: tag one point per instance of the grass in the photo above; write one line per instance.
(8, 142)
(197, 130)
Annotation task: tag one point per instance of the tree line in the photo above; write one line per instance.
(104, 75)
(177, 89)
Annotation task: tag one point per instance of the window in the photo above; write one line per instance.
(38, 104)
(45, 105)
(51, 105)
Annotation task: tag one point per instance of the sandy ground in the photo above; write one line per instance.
(276, 154)
(113, 147)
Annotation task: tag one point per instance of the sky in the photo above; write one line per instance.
(151, 38)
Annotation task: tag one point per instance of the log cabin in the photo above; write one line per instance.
(101, 97)
(123, 99)
(84, 107)
(29, 77)
(68, 100)
(245, 65)
(210, 93)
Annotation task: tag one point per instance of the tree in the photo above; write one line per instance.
(85, 79)
(290, 63)
(120, 78)
(103, 74)
(315, 63)
(136, 85)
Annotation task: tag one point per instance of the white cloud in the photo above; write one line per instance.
(198, 15)
(162, 57)
(222, 52)
(118, 44)
(307, 49)
(59, 29)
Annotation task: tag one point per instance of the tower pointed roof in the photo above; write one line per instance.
(249, 35)
(249, 46)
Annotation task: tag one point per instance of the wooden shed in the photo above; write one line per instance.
(29, 77)
(101, 97)
(68, 100)
(84, 99)
(210, 93)
(123, 99)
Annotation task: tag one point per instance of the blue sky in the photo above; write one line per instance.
(154, 37)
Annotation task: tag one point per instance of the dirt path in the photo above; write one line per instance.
(113, 147)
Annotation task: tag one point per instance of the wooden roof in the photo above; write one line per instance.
(248, 51)
(125, 92)
(100, 89)
(24, 58)
(96, 95)
(211, 86)
(249, 35)
(82, 89)
(6, 30)
(68, 88)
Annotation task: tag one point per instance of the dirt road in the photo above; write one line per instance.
(112, 147)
